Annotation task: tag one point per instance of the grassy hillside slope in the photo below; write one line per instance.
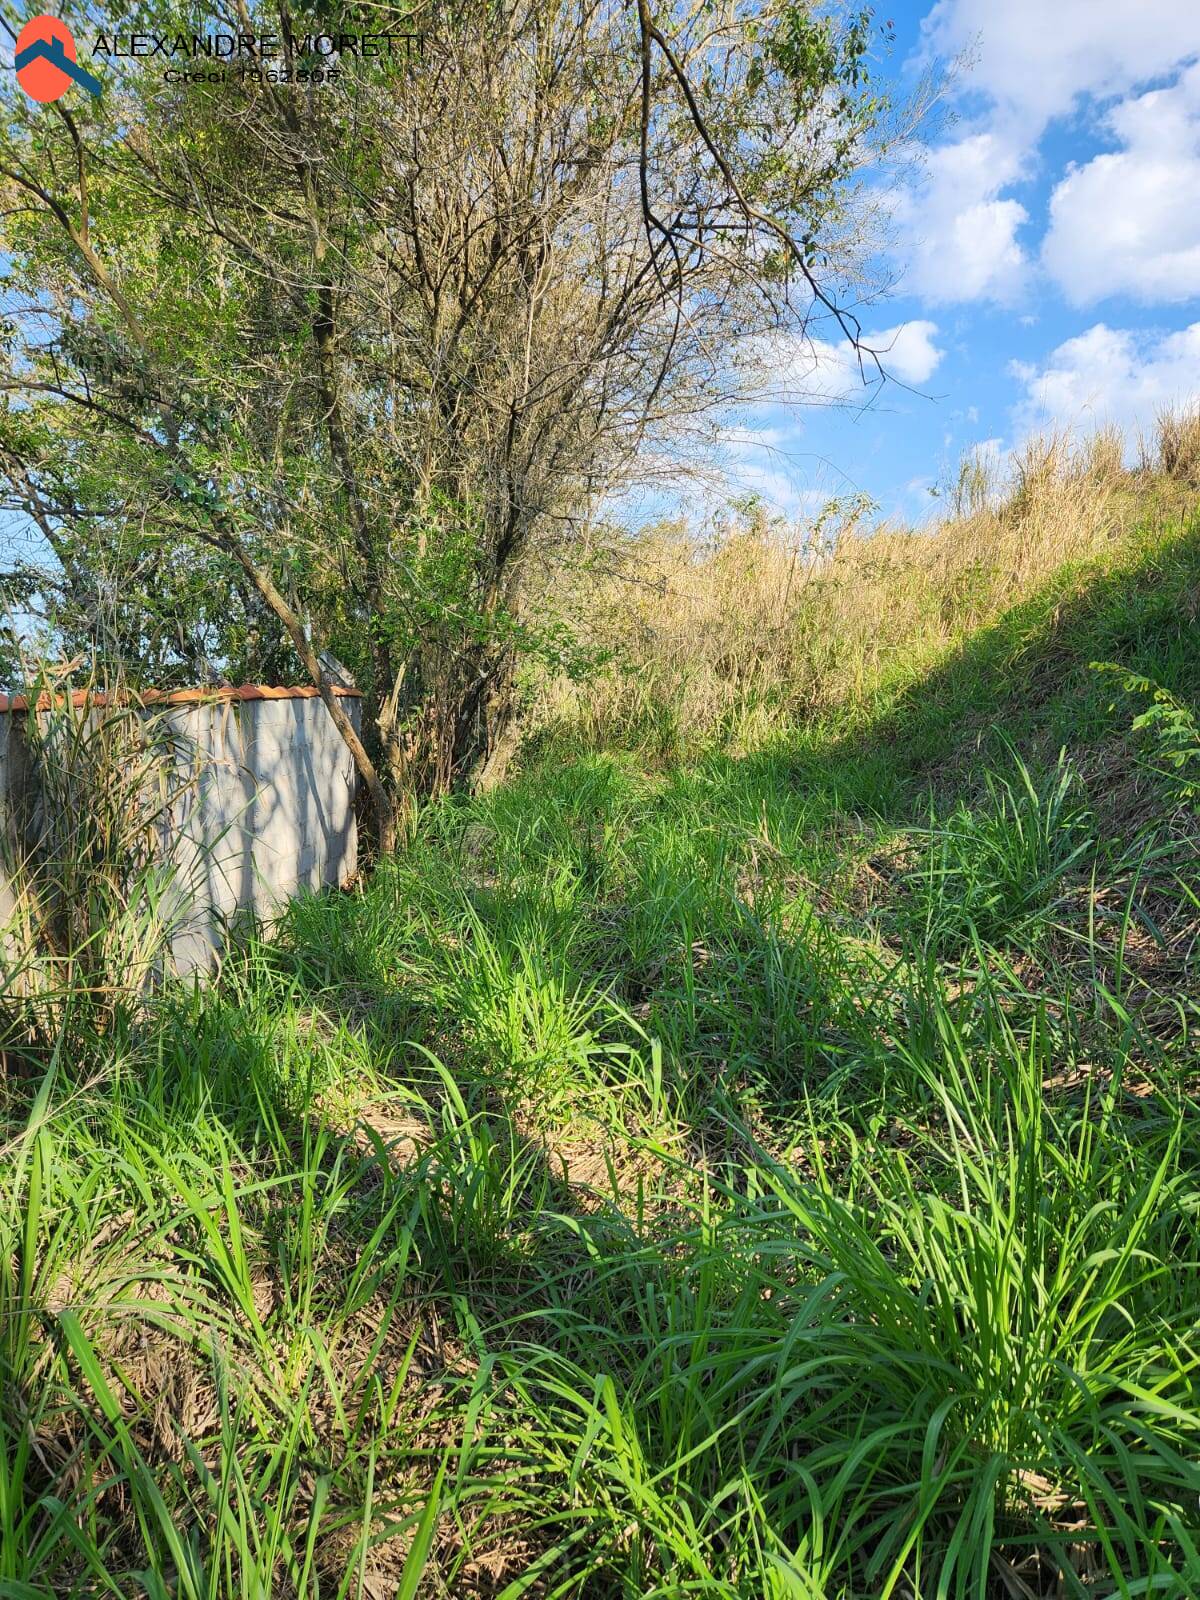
(755, 1152)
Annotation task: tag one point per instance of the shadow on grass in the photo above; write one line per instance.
(1026, 681)
(367, 1216)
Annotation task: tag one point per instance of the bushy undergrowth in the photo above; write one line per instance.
(772, 1174)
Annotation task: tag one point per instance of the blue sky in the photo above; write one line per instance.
(1045, 255)
(1047, 258)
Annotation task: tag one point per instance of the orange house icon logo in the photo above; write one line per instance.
(45, 60)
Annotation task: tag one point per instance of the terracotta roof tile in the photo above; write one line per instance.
(178, 697)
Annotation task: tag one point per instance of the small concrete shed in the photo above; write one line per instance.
(270, 809)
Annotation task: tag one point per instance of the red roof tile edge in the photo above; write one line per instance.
(176, 697)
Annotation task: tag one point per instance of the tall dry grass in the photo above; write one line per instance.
(88, 901)
(1175, 446)
(767, 623)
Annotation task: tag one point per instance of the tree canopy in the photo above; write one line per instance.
(293, 369)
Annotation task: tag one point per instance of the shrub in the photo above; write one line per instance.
(1173, 731)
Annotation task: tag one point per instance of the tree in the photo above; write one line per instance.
(360, 350)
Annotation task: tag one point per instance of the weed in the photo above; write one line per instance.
(1173, 728)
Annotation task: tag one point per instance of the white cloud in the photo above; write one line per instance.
(776, 488)
(1036, 61)
(756, 460)
(1129, 221)
(1109, 375)
(907, 352)
(817, 371)
(797, 370)
(831, 371)
(959, 238)
(958, 234)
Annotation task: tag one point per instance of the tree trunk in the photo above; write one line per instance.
(385, 811)
(483, 725)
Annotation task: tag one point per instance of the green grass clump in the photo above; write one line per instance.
(774, 1174)
(995, 870)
